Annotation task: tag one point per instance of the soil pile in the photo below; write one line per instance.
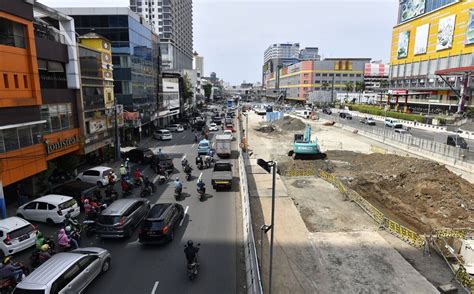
(289, 123)
(266, 129)
(421, 194)
(290, 165)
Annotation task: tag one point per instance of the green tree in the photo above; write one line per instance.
(360, 87)
(207, 90)
(188, 88)
(349, 86)
(325, 86)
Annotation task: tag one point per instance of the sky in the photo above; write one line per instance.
(232, 35)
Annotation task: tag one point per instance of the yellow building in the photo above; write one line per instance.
(431, 51)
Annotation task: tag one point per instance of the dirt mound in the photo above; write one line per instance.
(266, 129)
(303, 165)
(289, 123)
(419, 193)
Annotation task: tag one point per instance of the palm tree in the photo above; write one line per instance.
(349, 87)
(360, 87)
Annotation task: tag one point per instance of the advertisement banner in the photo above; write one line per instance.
(403, 41)
(131, 115)
(446, 32)
(170, 85)
(421, 39)
(470, 28)
(97, 126)
(120, 120)
(411, 8)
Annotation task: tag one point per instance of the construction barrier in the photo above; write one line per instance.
(333, 180)
(450, 233)
(464, 278)
(301, 172)
(407, 235)
(377, 149)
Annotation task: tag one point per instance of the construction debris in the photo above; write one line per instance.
(266, 129)
(289, 123)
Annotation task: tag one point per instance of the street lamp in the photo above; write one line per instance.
(270, 166)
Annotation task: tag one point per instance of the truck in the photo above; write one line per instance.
(222, 175)
(451, 140)
(223, 146)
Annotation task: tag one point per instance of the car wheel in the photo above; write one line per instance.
(50, 222)
(99, 184)
(106, 266)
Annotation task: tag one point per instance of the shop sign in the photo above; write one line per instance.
(61, 144)
(97, 126)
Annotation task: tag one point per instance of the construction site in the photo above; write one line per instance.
(375, 219)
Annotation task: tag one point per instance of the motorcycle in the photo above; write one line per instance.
(127, 188)
(192, 268)
(8, 284)
(138, 181)
(147, 190)
(201, 193)
(200, 166)
(36, 259)
(177, 193)
(188, 176)
(89, 227)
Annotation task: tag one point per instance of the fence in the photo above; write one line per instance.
(273, 116)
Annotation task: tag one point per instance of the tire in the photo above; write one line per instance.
(105, 266)
(50, 222)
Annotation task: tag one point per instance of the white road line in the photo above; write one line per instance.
(185, 212)
(194, 145)
(155, 179)
(184, 136)
(153, 291)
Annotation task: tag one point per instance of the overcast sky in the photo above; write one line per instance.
(233, 35)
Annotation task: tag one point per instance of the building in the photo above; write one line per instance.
(309, 53)
(376, 75)
(39, 85)
(431, 54)
(284, 51)
(198, 63)
(330, 75)
(172, 97)
(173, 20)
(135, 58)
(96, 115)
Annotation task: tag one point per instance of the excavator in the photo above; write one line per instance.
(304, 148)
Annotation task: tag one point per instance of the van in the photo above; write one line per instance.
(203, 147)
(66, 272)
(393, 123)
(162, 135)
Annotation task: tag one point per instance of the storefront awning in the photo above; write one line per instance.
(455, 71)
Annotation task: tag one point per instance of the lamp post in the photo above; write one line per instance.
(270, 166)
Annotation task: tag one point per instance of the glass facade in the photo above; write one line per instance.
(135, 54)
(21, 137)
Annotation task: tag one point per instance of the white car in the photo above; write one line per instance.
(49, 209)
(97, 175)
(162, 135)
(213, 127)
(176, 128)
(229, 133)
(16, 234)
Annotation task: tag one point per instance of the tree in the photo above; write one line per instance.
(349, 86)
(325, 86)
(188, 88)
(207, 90)
(360, 87)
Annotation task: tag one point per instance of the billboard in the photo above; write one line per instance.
(421, 39)
(470, 28)
(403, 41)
(411, 8)
(445, 32)
(170, 85)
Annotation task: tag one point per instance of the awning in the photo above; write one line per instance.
(455, 71)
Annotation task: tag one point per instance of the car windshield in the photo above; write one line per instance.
(222, 167)
(165, 132)
(67, 204)
(28, 291)
(204, 145)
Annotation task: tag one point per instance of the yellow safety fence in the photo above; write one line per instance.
(300, 172)
(465, 278)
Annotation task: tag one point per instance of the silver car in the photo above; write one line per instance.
(66, 272)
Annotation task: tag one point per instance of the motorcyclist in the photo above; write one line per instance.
(44, 254)
(201, 185)
(87, 206)
(93, 214)
(63, 239)
(199, 160)
(127, 165)
(138, 176)
(125, 185)
(208, 160)
(71, 222)
(211, 153)
(40, 241)
(148, 184)
(9, 270)
(184, 161)
(188, 169)
(191, 252)
(72, 237)
(123, 171)
(178, 186)
(111, 178)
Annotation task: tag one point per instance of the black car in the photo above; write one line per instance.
(77, 189)
(217, 120)
(160, 223)
(139, 155)
(327, 111)
(161, 160)
(122, 217)
(345, 115)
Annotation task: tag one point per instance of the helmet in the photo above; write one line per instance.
(190, 243)
(7, 260)
(121, 165)
(86, 201)
(104, 206)
(45, 247)
(128, 159)
(39, 234)
(177, 179)
(68, 228)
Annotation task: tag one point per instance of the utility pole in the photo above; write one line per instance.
(116, 131)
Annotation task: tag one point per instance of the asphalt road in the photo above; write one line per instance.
(162, 269)
(423, 134)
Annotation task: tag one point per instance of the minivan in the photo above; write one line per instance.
(393, 123)
(66, 272)
(163, 135)
(122, 217)
(203, 147)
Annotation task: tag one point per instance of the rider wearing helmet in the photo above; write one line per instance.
(191, 252)
(9, 270)
(87, 206)
(201, 185)
(123, 171)
(39, 240)
(72, 240)
(178, 185)
(44, 254)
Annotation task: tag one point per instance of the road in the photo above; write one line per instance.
(162, 269)
(423, 134)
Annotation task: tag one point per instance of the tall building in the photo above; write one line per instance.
(198, 62)
(135, 58)
(39, 85)
(173, 21)
(309, 53)
(432, 55)
(330, 74)
(376, 75)
(284, 51)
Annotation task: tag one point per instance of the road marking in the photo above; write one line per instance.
(133, 243)
(194, 145)
(185, 212)
(156, 178)
(184, 136)
(153, 291)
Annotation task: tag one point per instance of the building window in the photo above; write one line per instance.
(5, 81)
(12, 33)
(317, 75)
(15, 79)
(324, 75)
(58, 117)
(24, 134)
(10, 139)
(52, 75)
(25, 81)
(351, 75)
(344, 75)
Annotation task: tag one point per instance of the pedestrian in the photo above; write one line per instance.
(22, 198)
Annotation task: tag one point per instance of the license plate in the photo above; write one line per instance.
(24, 237)
(222, 183)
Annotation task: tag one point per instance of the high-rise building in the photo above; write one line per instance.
(432, 55)
(173, 21)
(198, 62)
(376, 75)
(39, 87)
(135, 58)
(285, 51)
(310, 53)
